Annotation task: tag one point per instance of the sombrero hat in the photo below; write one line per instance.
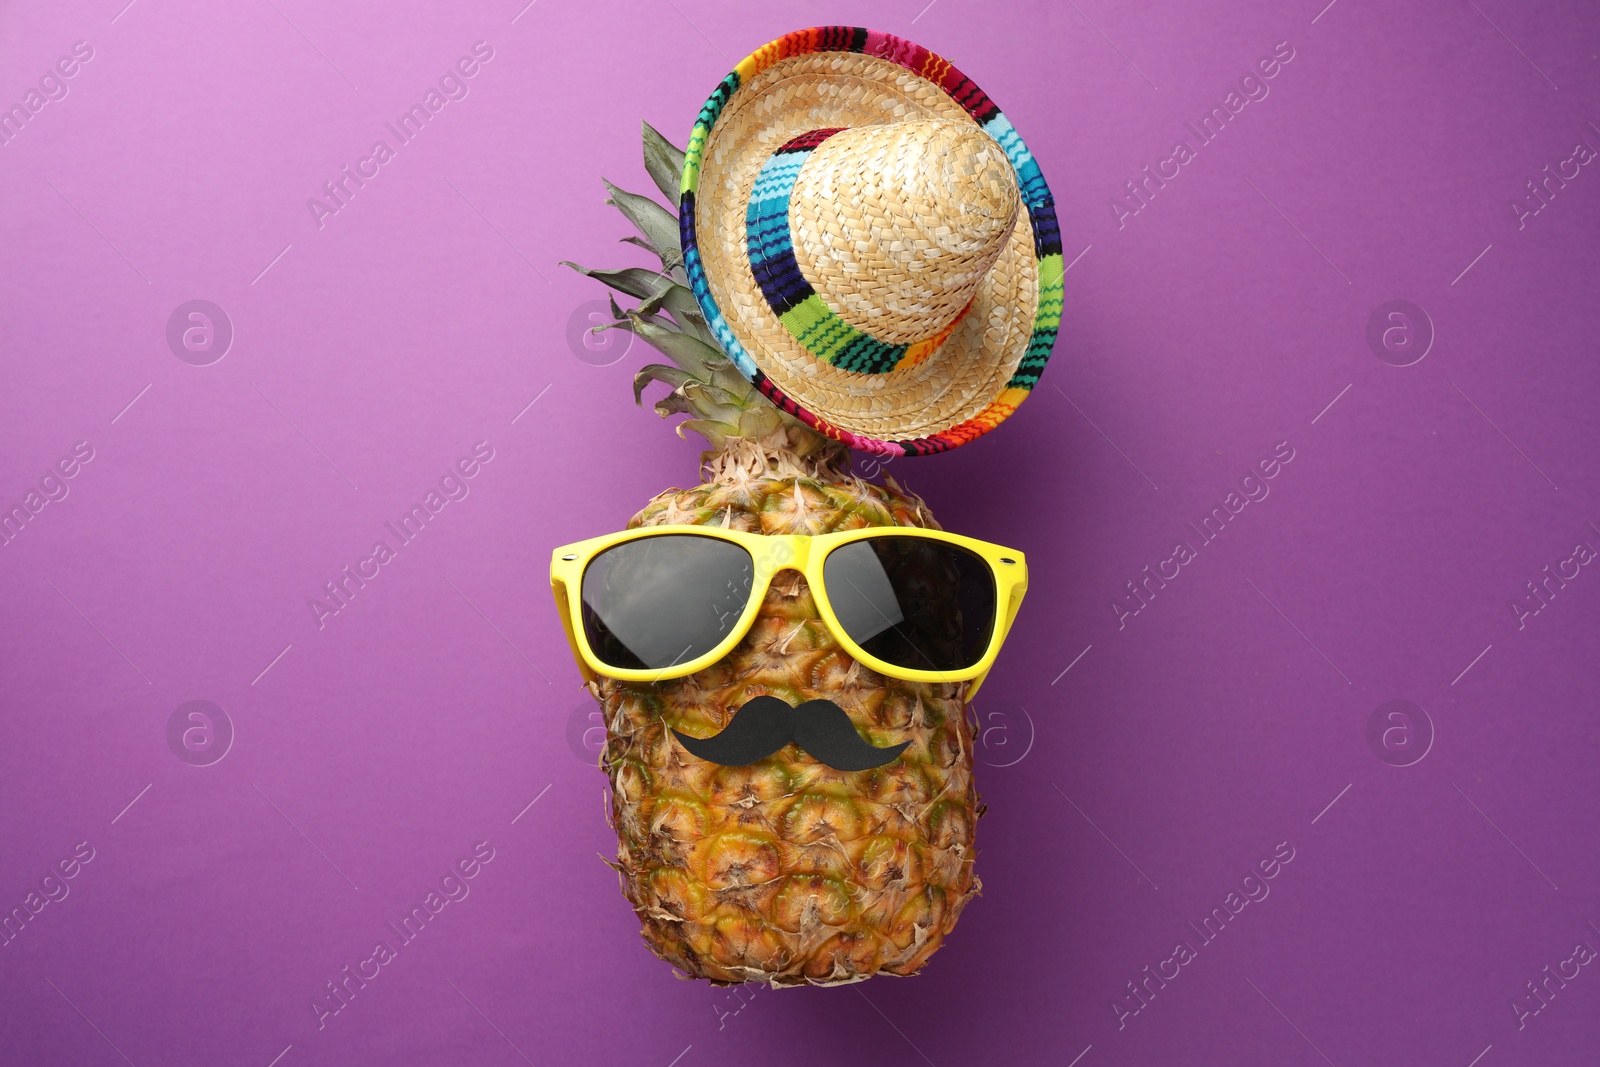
(871, 241)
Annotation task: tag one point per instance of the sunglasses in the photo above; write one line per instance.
(663, 602)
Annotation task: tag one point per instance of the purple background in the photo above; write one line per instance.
(1229, 715)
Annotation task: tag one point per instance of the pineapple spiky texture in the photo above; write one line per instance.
(785, 871)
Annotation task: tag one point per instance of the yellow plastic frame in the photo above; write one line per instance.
(772, 553)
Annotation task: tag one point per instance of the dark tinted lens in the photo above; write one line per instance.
(661, 601)
(912, 601)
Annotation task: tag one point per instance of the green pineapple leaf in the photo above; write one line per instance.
(674, 403)
(658, 372)
(634, 281)
(727, 376)
(760, 418)
(651, 305)
(704, 384)
(664, 161)
(693, 355)
(679, 302)
(717, 433)
(658, 225)
(710, 402)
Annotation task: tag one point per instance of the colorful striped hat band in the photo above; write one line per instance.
(870, 241)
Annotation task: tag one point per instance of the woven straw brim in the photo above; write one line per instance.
(976, 377)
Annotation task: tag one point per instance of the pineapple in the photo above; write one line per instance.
(785, 871)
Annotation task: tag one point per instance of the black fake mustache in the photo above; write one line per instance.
(765, 724)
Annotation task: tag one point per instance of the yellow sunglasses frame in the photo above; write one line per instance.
(772, 553)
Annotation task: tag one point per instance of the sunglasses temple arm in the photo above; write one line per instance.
(1012, 608)
(559, 589)
(1013, 604)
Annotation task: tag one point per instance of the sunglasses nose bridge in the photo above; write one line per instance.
(785, 552)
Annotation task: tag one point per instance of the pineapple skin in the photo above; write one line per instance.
(788, 871)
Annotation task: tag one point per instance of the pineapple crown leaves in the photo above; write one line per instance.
(722, 405)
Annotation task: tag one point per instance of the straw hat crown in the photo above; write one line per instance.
(895, 224)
